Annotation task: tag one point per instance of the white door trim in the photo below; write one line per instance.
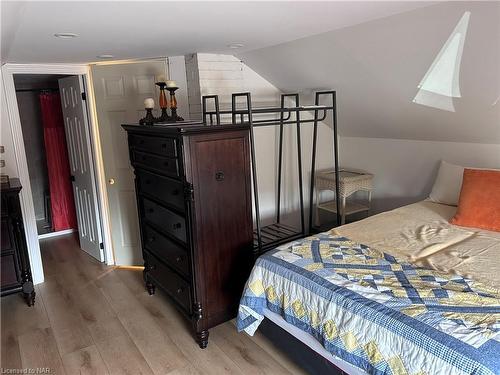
(8, 71)
(56, 234)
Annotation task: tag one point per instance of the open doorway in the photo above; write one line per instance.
(39, 106)
(56, 136)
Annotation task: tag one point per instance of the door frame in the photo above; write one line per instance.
(27, 207)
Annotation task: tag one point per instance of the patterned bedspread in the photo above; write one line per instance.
(382, 315)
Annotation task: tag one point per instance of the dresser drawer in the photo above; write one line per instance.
(157, 145)
(166, 166)
(5, 235)
(173, 284)
(10, 275)
(171, 253)
(165, 219)
(161, 188)
(3, 207)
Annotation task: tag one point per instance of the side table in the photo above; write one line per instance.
(351, 181)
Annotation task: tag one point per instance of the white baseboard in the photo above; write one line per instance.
(55, 234)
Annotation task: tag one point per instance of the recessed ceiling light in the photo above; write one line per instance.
(236, 45)
(105, 56)
(65, 35)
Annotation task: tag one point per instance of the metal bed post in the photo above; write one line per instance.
(217, 109)
(280, 148)
(313, 164)
(270, 236)
(252, 156)
(299, 164)
(204, 109)
(335, 156)
(299, 158)
(205, 112)
(280, 160)
(233, 108)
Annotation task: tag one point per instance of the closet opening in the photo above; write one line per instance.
(56, 134)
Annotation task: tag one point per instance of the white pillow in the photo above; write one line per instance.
(448, 184)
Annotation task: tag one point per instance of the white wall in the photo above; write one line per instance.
(177, 73)
(6, 138)
(376, 67)
(193, 86)
(405, 169)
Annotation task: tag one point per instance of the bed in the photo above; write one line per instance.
(402, 292)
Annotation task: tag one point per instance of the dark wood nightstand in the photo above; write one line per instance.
(15, 264)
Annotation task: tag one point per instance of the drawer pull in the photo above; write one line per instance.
(178, 259)
(180, 290)
(152, 267)
(219, 176)
(177, 226)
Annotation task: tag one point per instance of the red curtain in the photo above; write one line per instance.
(61, 191)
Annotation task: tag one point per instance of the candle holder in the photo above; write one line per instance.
(173, 105)
(149, 119)
(164, 117)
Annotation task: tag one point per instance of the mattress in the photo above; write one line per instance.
(312, 343)
(421, 239)
(421, 233)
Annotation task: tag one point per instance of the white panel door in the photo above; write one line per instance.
(81, 163)
(120, 90)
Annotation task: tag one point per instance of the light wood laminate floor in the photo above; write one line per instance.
(89, 318)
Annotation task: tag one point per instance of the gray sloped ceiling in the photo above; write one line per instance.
(376, 68)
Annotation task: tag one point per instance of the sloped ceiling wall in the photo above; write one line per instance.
(376, 68)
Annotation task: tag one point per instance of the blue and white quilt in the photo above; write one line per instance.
(380, 314)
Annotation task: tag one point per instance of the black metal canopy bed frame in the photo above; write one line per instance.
(363, 298)
(270, 236)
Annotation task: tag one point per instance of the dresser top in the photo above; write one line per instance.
(185, 127)
(13, 186)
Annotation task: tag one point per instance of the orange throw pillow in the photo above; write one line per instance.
(479, 203)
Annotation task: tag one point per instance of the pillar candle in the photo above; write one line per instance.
(149, 103)
(171, 84)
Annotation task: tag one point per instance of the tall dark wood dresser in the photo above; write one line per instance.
(194, 201)
(16, 270)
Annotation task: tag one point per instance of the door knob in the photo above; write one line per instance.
(111, 181)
